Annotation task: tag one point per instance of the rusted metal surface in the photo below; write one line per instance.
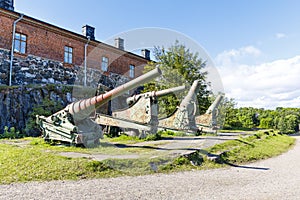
(143, 111)
(214, 106)
(124, 124)
(184, 117)
(104, 98)
(208, 121)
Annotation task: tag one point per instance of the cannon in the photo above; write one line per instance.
(154, 94)
(142, 115)
(74, 125)
(208, 121)
(183, 119)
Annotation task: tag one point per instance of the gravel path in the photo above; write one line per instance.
(275, 178)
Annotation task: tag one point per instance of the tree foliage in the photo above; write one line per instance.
(226, 113)
(180, 66)
(286, 120)
(46, 108)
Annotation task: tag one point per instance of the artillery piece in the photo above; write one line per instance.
(208, 121)
(183, 119)
(74, 125)
(142, 115)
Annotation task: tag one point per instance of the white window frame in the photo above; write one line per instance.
(20, 43)
(131, 71)
(104, 63)
(68, 54)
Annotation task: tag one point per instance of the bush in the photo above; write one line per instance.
(46, 108)
(152, 137)
(167, 133)
(11, 133)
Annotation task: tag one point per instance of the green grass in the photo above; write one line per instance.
(169, 133)
(125, 139)
(106, 147)
(259, 146)
(262, 145)
(19, 164)
(235, 131)
(31, 159)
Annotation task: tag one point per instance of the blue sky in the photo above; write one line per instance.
(254, 44)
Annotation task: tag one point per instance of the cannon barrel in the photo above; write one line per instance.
(74, 125)
(160, 93)
(215, 104)
(99, 100)
(191, 94)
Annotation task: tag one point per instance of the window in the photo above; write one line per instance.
(104, 64)
(68, 54)
(131, 71)
(20, 43)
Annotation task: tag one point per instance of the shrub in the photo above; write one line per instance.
(46, 108)
(11, 133)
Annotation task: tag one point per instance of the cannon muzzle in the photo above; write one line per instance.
(133, 99)
(215, 104)
(99, 100)
(191, 94)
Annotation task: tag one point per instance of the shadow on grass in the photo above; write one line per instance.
(220, 160)
(194, 138)
(246, 167)
(248, 143)
(233, 134)
(295, 134)
(154, 148)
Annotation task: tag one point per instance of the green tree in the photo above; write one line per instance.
(287, 119)
(227, 114)
(266, 123)
(180, 66)
(291, 122)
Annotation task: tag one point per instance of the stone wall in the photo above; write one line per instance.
(18, 102)
(33, 76)
(37, 70)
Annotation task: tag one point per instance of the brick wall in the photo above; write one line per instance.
(5, 31)
(48, 41)
(119, 61)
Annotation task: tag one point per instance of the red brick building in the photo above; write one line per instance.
(44, 40)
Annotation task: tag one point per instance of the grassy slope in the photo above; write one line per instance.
(256, 147)
(38, 161)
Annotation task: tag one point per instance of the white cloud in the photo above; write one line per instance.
(267, 85)
(235, 56)
(280, 35)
